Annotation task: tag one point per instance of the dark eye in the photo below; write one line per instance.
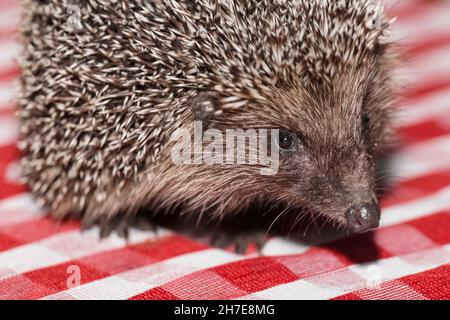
(366, 120)
(287, 139)
(365, 123)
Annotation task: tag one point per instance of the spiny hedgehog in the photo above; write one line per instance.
(106, 83)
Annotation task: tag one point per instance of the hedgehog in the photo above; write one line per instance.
(106, 83)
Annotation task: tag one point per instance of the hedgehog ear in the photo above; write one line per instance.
(205, 106)
(381, 48)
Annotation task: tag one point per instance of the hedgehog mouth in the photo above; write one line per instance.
(358, 218)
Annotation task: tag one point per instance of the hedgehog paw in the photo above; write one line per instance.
(240, 241)
(143, 223)
(120, 227)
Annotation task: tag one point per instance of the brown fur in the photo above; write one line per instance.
(99, 104)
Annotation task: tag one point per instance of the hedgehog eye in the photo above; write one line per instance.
(287, 140)
(365, 123)
(366, 120)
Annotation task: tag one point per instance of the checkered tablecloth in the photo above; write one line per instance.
(40, 259)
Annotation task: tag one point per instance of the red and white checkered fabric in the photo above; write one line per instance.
(38, 258)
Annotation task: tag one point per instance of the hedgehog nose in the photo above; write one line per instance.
(363, 217)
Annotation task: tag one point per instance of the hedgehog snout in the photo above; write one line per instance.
(362, 217)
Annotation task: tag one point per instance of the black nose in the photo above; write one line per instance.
(363, 217)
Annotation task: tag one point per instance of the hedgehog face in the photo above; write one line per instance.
(330, 137)
(331, 171)
(329, 143)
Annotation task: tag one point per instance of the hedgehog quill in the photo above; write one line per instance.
(106, 83)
